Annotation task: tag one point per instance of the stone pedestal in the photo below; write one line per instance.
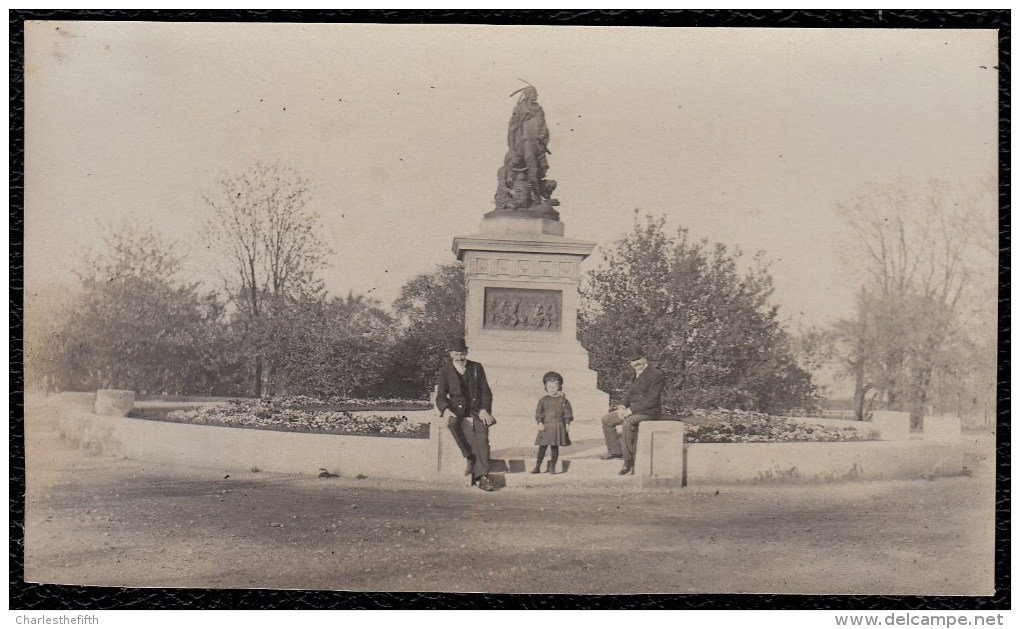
(521, 319)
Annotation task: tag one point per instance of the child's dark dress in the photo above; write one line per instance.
(555, 412)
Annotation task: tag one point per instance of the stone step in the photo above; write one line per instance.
(578, 463)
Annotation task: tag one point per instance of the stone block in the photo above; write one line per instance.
(444, 455)
(891, 425)
(114, 402)
(660, 453)
(78, 400)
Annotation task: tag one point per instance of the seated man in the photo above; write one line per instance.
(464, 398)
(643, 400)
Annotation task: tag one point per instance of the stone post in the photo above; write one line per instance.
(891, 425)
(114, 402)
(660, 453)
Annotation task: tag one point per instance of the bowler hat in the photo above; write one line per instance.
(635, 352)
(552, 375)
(457, 345)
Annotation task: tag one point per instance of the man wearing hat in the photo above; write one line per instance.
(464, 398)
(643, 400)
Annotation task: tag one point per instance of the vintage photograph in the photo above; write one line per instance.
(510, 309)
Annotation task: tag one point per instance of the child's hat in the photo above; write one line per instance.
(552, 375)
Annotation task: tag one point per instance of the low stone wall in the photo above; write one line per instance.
(242, 449)
(664, 460)
(759, 463)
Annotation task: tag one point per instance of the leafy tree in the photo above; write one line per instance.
(333, 347)
(262, 224)
(430, 311)
(49, 309)
(708, 326)
(136, 323)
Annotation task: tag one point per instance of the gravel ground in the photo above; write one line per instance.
(115, 522)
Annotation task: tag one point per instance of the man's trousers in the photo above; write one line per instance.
(472, 437)
(626, 444)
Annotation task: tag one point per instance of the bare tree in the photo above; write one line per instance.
(923, 250)
(263, 225)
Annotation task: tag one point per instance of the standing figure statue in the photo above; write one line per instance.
(528, 143)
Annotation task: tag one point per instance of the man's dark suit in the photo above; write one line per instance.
(644, 399)
(465, 398)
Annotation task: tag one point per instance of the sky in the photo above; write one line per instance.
(748, 137)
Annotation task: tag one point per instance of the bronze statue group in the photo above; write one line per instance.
(521, 182)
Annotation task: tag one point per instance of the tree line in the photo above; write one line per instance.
(703, 312)
(923, 337)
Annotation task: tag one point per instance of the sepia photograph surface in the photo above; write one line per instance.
(510, 309)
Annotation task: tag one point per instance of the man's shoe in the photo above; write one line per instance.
(628, 468)
(609, 456)
(537, 470)
(485, 484)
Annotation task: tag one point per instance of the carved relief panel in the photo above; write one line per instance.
(523, 309)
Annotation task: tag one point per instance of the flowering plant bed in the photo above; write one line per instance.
(297, 414)
(724, 426)
(335, 403)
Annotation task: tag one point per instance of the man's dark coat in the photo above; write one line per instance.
(644, 393)
(451, 395)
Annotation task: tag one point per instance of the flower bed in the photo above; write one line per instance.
(307, 403)
(724, 426)
(337, 416)
(297, 414)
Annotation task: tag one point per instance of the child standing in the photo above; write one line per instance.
(553, 414)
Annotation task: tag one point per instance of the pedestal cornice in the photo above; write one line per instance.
(517, 244)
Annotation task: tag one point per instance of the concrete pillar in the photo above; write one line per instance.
(446, 459)
(660, 453)
(114, 402)
(891, 425)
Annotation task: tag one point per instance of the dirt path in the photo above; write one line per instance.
(103, 521)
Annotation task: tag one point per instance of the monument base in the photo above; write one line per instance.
(521, 321)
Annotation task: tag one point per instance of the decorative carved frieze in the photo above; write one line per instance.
(526, 267)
